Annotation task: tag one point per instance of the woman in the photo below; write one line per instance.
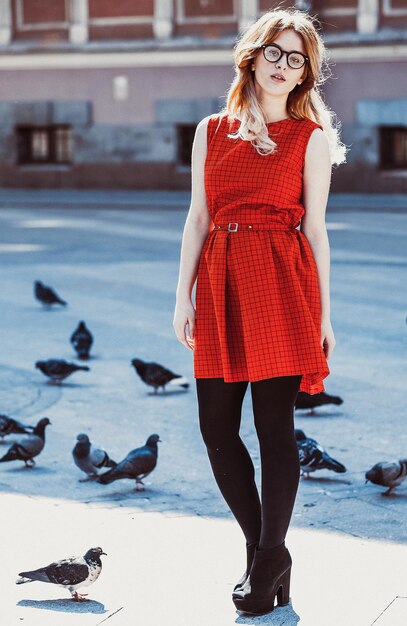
(262, 310)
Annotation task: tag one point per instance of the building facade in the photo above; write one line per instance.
(95, 93)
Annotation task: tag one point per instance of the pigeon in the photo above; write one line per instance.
(10, 426)
(28, 447)
(313, 456)
(46, 295)
(82, 339)
(90, 459)
(137, 464)
(156, 375)
(71, 573)
(58, 369)
(387, 474)
(310, 401)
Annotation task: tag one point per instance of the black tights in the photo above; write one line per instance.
(273, 399)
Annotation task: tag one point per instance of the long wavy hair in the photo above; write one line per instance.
(304, 101)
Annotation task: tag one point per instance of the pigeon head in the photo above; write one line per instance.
(153, 440)
(139, 365)
(44, 421)
(94, 554)
(300, 435)
(37, 283)
(82, 438)
(39, 364)
(81, 325)
(39, 430)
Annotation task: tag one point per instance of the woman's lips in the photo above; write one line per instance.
(277, 80)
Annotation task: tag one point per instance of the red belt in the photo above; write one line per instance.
(233, 227)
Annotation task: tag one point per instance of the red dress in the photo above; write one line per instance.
(257, 299)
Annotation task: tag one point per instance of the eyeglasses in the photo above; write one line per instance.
(273, 53)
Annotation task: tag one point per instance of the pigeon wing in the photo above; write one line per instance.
(98, 457)
(158, 375)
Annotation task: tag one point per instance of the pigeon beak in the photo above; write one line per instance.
(160, 440)
(366, 481)
(103, 553)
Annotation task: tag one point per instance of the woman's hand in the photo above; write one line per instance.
(327, 338)
(184, 314)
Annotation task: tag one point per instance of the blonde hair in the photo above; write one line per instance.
(304, 101)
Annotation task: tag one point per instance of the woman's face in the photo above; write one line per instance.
(290, 41)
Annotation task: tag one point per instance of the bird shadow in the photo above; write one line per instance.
(325, 479)
(280, 615)
(50, 383)
(309, 413)
(167, 394)
(65, 605)
(36, 468)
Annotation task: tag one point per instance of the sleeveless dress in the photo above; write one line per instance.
(257, 299)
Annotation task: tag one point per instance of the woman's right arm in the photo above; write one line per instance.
(195, 232)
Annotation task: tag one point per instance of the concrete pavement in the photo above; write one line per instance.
(174, 551)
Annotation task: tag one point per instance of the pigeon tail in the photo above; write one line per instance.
(108, 477)
(182, 381)
(332, 464)
(21, 581)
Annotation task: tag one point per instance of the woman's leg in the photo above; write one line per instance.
(220, 406)
(273, 407)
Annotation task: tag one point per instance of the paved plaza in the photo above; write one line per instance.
(174, 551)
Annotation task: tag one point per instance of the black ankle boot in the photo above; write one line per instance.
(269, 577)
(250, 550)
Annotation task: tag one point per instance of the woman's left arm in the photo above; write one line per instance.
(316, 183)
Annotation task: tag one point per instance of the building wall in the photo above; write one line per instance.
(126, 87)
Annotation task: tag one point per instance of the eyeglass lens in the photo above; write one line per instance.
(294, 59)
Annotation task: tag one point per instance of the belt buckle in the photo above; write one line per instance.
(230, 229)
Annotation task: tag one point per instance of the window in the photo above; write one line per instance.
(44, 144)
(185, 138)
(393, 147)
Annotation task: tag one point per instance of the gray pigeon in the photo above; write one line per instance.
(58, 369)
(71, 573)
(90, 459)
(137, 464)
(313, 456)
(387, 474)
(156, 375)
(82, 340)
(28, 446)
(10, 426)
(46, 295)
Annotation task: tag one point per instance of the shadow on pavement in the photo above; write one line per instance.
(65, 605)
(278, 617)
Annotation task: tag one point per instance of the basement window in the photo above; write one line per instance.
(185, 139)
(44, 144)
(393, 147)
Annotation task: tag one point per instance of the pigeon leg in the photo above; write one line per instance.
(388, 492)
(29, 463)
(79, 597)
(139, 485)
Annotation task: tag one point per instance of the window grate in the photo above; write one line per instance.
(185, 139)
(44, 144)
(393, 147)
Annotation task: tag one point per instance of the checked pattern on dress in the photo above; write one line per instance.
(257, 293)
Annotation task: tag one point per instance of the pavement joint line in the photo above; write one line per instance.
(109, 616)
(387, 607)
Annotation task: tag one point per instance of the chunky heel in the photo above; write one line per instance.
(283, 591)
(269, 578)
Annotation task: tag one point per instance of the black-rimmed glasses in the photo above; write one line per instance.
(273, 53)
